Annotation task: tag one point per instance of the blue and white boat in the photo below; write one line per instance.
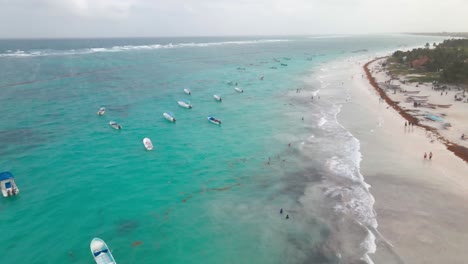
(185, 104)
(101, 252)
(214, 120)
(187, 91)
(169, 116)
(7, 184)
(217, 97)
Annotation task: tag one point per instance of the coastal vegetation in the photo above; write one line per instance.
(446, 62)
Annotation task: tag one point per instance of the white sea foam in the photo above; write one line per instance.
(21, 53)
(328, 37)
(346, 185)
(322, 121)
(369, 245)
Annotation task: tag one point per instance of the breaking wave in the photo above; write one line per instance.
(33, 53)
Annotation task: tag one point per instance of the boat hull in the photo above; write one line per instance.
(101, 252)
(239, 90)
(217, 98)
(214, 120)
(114, 125)
(184, 105)
(148, 144)
(169, 117)
(5, 192)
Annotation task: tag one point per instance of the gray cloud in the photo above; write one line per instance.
(107, 18)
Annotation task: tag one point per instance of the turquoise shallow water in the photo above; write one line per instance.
(206, 193)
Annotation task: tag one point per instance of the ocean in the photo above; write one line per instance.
(206, 193)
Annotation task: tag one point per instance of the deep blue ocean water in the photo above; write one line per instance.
(206, 193)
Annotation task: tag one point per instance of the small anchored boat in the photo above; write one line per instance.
(185, 104)
(8, 184)
(101, 111)
(114, 125)
(101, 252)
(239, 90)
(148, 144)
(214, 120)
(217, 98)
(187, 91)
(169, 116)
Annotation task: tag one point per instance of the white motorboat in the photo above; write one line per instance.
(114, 125)
(214, 120)
(187, 91)
(8, 184)
(169, 116)
(148, 144)
(101, 111)
(239, 90)
(217, 98)
(185, 104)
(101, 252)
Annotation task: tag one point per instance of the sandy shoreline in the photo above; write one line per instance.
(421, 205)
(458, 149)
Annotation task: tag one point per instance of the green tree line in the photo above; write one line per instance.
(449, 58)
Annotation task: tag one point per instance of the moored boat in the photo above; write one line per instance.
(148, 144)
(187, 91)
(185, 104)
(8, 184)
(101, 111)
(239, 90)
(114, 125)
(214, 120)
(169, 116)
(101, 252)
(217, 98)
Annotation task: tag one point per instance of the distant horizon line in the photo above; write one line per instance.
(221, 36)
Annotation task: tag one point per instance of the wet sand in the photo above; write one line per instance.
(421, 205)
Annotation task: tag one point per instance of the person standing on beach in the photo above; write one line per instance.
(405, 124)
(430, 155)
(425, 155)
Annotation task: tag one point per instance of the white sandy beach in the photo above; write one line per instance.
(421, 205)
(438, 103)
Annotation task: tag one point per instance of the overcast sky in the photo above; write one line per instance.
(130, 18)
